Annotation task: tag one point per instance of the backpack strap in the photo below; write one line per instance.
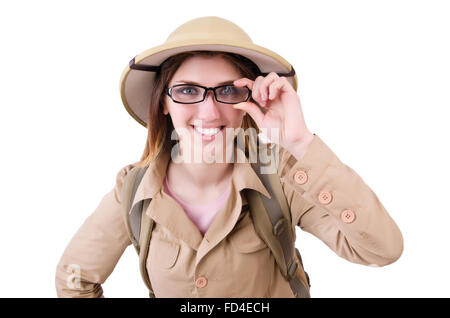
(139, 225)
(272, 220)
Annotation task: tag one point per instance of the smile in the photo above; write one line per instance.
(208, 132)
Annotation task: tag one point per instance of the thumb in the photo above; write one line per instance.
(252, 109)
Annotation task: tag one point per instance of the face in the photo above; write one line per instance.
(187, 118)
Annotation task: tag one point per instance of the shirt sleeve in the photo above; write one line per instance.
(331, 201)
(95, 249)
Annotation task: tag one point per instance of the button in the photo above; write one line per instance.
(300, 177)
(325, 197)
(201, 282)
(348, 216)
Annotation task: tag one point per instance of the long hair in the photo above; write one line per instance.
(160, 127)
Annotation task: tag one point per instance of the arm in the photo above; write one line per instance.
(367, 234)
(95, 249)
(327, 199)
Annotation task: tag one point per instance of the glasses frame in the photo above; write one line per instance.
(168, 91)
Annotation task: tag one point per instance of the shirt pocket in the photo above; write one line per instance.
(163, 253)
(249, 261)
(244, 238)
(166, 264)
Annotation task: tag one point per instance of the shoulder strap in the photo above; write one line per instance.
(272, 220)
(139, 225)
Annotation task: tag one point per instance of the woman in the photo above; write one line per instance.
(193, 93)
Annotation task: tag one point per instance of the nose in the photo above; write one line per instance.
(210, 94)
(208, 109)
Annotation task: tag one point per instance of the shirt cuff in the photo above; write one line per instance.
(304, 174)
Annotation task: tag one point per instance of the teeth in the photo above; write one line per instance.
(208, 131)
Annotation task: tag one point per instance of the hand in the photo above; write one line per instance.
(276, 95)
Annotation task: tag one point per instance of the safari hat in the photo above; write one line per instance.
(206, 33)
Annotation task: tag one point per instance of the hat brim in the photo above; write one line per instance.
(136, 85)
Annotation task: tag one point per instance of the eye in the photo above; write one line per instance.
(228, 90)
(186, 90)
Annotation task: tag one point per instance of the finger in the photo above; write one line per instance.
(244, 82)
(255, 91)
(252, 109)
(274, 90)
(264, 88)
(280, 85)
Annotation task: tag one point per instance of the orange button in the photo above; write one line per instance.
(201, 282)
(348, 216)
(300, 177)
(325, 197)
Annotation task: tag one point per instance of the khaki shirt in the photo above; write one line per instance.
(326, 197)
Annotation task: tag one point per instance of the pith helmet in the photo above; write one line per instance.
(206, 33)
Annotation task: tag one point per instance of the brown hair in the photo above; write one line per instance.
(159, 126)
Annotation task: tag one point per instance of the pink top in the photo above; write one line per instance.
(201, 215)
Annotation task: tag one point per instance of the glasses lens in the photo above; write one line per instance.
(187, 93)
(232, 94)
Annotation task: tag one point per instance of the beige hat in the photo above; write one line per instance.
(205, 33)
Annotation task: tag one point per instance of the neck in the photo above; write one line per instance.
(202, 175)
(199, 173)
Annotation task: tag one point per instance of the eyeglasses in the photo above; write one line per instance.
(191, 93)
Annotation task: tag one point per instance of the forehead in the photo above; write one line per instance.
(206, 70)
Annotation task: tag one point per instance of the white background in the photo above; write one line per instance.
(374, 84)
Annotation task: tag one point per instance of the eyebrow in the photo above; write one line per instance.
(195, 83)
